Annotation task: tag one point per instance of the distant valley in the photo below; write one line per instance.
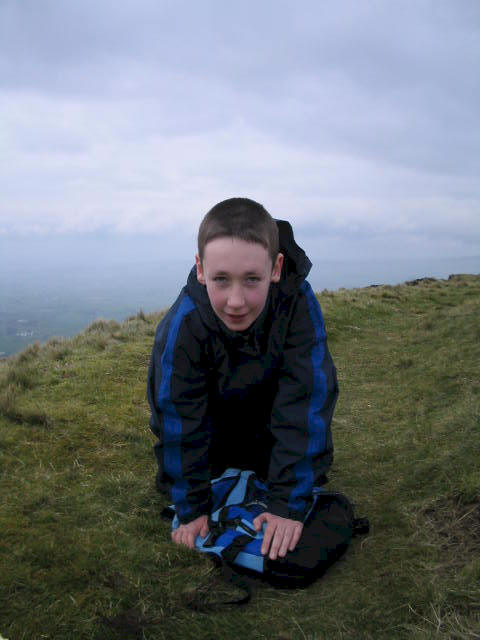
(36, 306)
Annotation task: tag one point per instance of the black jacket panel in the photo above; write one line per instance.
(302, 410)
(260, 399)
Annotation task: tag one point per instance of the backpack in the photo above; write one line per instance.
(232, 542)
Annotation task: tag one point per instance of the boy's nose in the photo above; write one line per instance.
(236, 299)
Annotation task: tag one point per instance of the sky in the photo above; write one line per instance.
(357, 121)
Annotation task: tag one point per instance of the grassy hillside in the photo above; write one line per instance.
(84, 554)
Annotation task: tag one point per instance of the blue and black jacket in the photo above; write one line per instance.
(259, 399)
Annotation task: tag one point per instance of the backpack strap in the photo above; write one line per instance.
(230, 553)
(228, 557)
(226, 562)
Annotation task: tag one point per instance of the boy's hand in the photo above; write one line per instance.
(281, 534)
(187, 533)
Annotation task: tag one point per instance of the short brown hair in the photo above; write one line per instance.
(239, 218)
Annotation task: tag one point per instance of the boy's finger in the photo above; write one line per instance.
(285, 545)
(275, 546)
(267, 538)
(190, 540)
(296, 537)
(259, 520)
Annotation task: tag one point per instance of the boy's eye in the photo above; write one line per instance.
(223, 280)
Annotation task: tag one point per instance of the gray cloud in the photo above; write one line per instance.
(135, 115)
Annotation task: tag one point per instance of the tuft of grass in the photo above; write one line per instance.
(12, 410)
(8, 394)
(24, 376)
(85, 554)
(58, 349)
(29, 354)
(102, 326)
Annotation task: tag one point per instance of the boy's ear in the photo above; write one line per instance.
(200, 274)
(277, 268)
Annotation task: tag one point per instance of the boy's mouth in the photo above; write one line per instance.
(236, 317)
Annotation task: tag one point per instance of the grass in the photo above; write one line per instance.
(84, 553)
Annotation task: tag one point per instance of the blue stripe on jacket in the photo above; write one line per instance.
(172, 423)
(316, 424)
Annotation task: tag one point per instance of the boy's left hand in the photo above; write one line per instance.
(281, 534)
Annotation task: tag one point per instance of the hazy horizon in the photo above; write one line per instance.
(56, 286)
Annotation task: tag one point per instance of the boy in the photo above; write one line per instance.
(241, 376)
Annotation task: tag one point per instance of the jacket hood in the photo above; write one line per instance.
(296, 267)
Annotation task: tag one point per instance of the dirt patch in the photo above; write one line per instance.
(455, 526)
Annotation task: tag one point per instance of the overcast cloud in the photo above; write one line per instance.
(358, 121)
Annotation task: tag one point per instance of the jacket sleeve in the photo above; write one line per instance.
(177, 394)
(302, 411)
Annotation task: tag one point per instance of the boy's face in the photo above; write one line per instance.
(237, 275)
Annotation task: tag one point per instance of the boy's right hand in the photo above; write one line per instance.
(187, 533)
